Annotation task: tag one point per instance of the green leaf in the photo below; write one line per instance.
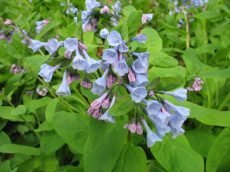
(6, 114)
(169, 83)
(208, 48)
(12, 51)
(73, 128)
(5, 167)
(224, 74)
(51, 141)
(207, 15)
(48, 27)
(134, 23)
(3, 123)
(128, 156)
(200, 140)
(122, 106)
(35, 104)
(13, 148)
(216, 117)
(11, 83)
(104, 145)
(127, 10)
(161, 59)
(56, 61)
(154, 83)
(176, 155)
(124, 31)
(37, 59)
(19, 110)
(171, 28)
(27, 19)
(154, 41)
(4, 139)
(218, 156)
(50, 110)
(45, 126)
(78, 33)
(129, 62)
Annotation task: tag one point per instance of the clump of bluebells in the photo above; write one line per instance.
(196, 85)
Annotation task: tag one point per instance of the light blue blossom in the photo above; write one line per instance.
(141, 80)
(75, 20)
(152, 137)
(91, 4)
(36, 45)
(138, 67)
(64, 88)
(176, 132)
(62, 4)
(110, 55)
(179, 94)
(106, 116)
(123, 47)
(99, 85)
(85, 15)
(84, 24)
(79, 62)
(47, 74)
(53, 45)
(180, 112)
(117, 7)
(114, 38)
(137, 93)
(73, 9)
(105, 65)
(114, 19)
(144, 57)
(149, 16)
(142, 38)
(38, 29)
(153, 106)
(92, 65)
(175, 122)
(121, 68)
(71, 44)
(104, 33)
(30, 0)
(162, 119)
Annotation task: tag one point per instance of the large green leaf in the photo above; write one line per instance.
(104, 145)
(50, 110)
(5, 167)
(207, 14)
(51, 141)
(11, 83)
(224, 73)
(35, 104)
(218, 156)
(4, 139)
(12, 51)
(127, 10)
(128, 156)
(73, 129)
(14, 148)
(176, 155)
(169, 83)
(124, 31)
(134, 23)
(122, 106)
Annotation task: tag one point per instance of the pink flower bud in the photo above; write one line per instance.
(90, 111)
(105, 103)
(126, 126)
(163, 110)
(131, 76)
(45, 22)
(89, 85)
(83, 45)
(144, 19)
(2, 37)
(68, 54)
(57, 36)
(114, 79)
(7, 22)
(121, 80)
(96, 113)
(97, 103)
(109, 81)
(69, 80)
(151, 93)
(132, 127)
(105, 10)
(139, 129)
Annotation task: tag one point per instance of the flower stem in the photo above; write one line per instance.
(187, 28)
(224, 102)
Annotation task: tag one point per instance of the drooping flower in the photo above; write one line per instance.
(139, 128)
(179, 94)
(131, 76)
(123, 47)
(110, 55)
(121, 68)
(143, 57)
(79, 62)
(114, 38)
(36, 45)
(71, 44)
(142, 38)
(106, 116)
(138, 67)
(99, 85)
(141, 80)
(176, 132)
(153, 106)
(53, 45)
(98, 102)
(145, 17)
(47, 73)
(91, 4)
(64, 88)
(104, 33)
(92, 65)
(137, 93)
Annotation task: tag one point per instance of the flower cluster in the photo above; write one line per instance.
(196, 85)
(40, 25)
(17, 69)
(70, 8)
(42, 91)
(146, 17)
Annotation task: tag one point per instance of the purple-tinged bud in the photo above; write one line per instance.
(7, 22)
(69, 80)
(144, 19)
(131, 76)
(132, 127)
(90, 111)
(151, 93)
(68, 54)
(139, 129)
(121, 80)
(109, 81)
(126, 126)
(96, 113)
(105, 10)
(97, 103)
(105, 103)
(82, 45)
(89, 85)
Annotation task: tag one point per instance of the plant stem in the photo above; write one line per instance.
(187, 29)
(81, 97)
(204, 39)
(224, 102)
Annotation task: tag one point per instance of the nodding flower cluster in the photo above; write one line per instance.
(40, 25)
(195, 86)
(17, 69)
(42, 91)
(71, 8)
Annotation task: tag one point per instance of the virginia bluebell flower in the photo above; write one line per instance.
(75, 20)
(71, 44)
(123, 47)
(121, 68)
(138, 67)
(142, 38)
(85, 15)
(137, 93)
(114, 38)
(47, 74)
(99, 85)
(53, 45)
(110, 55)
(104, 33)
(91, 4)
(179, 94)
(141, 80)
(117, 7)
(152, 137)
(149, 16)
(79, 62)
(153, 106)
(64, 88)
(106, 116)
(144, 57)
(36, 45)
(176, 132)
(175, 122)
(92, 65)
